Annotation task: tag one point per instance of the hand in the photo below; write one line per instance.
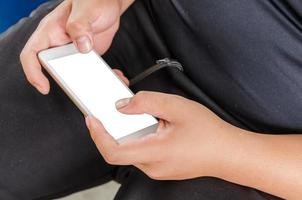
(187, 143)
(89, 24)
(121, 75)
(191, 142)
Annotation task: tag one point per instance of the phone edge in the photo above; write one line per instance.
(73, 97)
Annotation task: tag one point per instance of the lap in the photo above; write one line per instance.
(138, 186)
(45, 148)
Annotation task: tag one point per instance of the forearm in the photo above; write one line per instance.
(270, 163)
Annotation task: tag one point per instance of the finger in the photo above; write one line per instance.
(29, 58)
(31, 65)
(163, 106)
(121, 76)
(140, 150)
(79, 27)
(86, 19)
(118, 72)
(104, 141)
(48, 34)
(135, 151)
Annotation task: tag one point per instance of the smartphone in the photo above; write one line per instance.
(94, 88)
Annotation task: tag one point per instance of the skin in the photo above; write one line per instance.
(89, 24)
(191, 141)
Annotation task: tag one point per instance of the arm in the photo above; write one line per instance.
(270, 163)
(197, 143)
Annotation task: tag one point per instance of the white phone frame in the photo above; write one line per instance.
(70, 49)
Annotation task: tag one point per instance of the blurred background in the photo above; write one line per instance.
(13, 10)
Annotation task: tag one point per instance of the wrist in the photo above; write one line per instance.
(230, 151)
(239, 154)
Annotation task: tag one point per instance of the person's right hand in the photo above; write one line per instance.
(87, 23)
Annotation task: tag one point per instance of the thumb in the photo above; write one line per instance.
(91, 17)
(79, 24)
(160, 105)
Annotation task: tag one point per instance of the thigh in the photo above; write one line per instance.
(244, 54)
(140, 28)
(137, 186)
(45, 148)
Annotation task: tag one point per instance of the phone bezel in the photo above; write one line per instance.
(70, 49)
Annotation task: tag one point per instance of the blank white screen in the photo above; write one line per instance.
(94, 84)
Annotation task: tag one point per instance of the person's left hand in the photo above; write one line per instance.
(190, 141)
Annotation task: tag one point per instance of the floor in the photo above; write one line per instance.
(104, 192)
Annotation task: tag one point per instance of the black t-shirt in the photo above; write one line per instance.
(245, 55)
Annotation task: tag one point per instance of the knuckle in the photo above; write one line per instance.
(139, 98)
(24, 53)
(154, 175)
(172, 100)
(105, 155)
(44, 23)
(47, 19)
(22, 56)
(110, 157)
(73, 26)
(141, 94)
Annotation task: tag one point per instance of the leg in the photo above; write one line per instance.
(45, 148)
(138, 186)
(139, 28)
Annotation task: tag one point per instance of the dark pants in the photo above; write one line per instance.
(45, 149)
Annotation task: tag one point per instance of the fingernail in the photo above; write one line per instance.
(122, 103)
(84, 44)
(87, 120)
